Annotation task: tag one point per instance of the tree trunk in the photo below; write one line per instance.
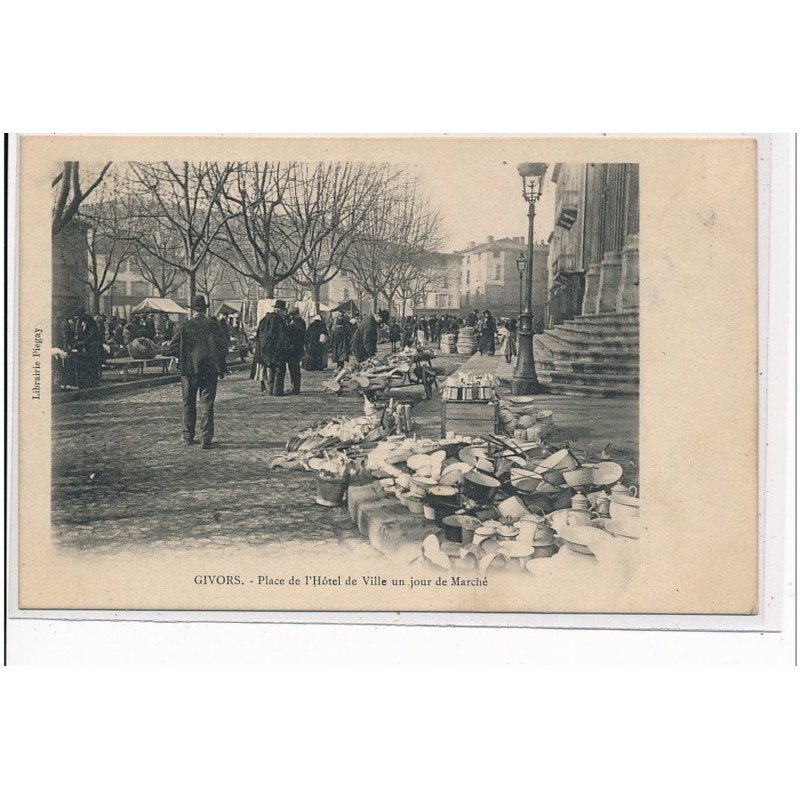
(192, 287)
(316, 292)
(375, 302)
(96, 294)
(269, 288)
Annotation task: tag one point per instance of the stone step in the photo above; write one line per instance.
(596, 356)
(571, 390)
(607, 319)
(590, 337)
(610, 328)
(592, 378)
(590, 368)
(555, 344)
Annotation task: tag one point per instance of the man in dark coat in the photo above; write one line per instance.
(365, 339)
(272, 349)
(296, 330)
(340, 341)
(201, 351)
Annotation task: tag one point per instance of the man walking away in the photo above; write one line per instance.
(296, 330)
(272, 349)
(201, 351)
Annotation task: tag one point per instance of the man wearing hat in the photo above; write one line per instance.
(201, 350)
(296, 329)
(272, 350)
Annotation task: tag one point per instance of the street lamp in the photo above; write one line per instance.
(522, 262)
(524, 380)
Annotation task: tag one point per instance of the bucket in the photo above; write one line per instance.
(331, 490)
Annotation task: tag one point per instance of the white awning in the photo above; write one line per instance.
(161, 304)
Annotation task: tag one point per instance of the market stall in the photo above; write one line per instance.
(410, 366)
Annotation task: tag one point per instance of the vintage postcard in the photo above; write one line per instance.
(429, 374)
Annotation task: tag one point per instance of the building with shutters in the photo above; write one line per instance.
(490, 277)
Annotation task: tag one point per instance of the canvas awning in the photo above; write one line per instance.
(159, 304)
(229, 307)
(348, 307)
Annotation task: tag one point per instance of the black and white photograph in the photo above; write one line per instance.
(390, 382)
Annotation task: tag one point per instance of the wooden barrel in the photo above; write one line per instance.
(466, 344)
(448, 343)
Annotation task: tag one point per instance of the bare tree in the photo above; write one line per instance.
(209, 276)
(399, 228)
(257, 234)
(182, 199)
(326, 211)
(69, 195)
(157, 263)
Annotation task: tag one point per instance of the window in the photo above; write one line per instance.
(442, 300)
(497, 272)
(140, 288)
(467, 277)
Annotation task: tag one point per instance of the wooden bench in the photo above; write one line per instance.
(137, 365)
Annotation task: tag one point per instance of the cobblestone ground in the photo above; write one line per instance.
(123, 479)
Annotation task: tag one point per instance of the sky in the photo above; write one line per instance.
(485, 200)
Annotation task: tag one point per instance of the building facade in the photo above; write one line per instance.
(491, 279)
(593, 266)
(70, 270)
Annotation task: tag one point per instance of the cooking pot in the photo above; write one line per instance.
(623, 506)
(479, 486)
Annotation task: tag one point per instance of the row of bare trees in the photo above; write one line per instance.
(261, 224)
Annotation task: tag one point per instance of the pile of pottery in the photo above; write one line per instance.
(499, 503)
(467, 386)
(520, 418)
(467, 344)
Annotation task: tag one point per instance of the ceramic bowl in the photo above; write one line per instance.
(606, 473)
(471, 454)
(579, 538)
(582, 476)
(626, 527)
(570, 517)
(561, 460)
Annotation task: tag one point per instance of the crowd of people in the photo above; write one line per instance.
(283, 342)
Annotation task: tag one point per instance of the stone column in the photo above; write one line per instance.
(613, 236)
(593, 245)
(628, 292)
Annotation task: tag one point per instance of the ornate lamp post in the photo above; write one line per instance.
(522, 262)
(524, 380)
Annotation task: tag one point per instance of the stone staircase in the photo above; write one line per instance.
(596, 356)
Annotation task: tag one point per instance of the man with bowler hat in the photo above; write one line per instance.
(201, 350)
(272, 350)
(296, 330)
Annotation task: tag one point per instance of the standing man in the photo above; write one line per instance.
(296, 329)
(272, 349)
(201, 351)
(365, 339)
